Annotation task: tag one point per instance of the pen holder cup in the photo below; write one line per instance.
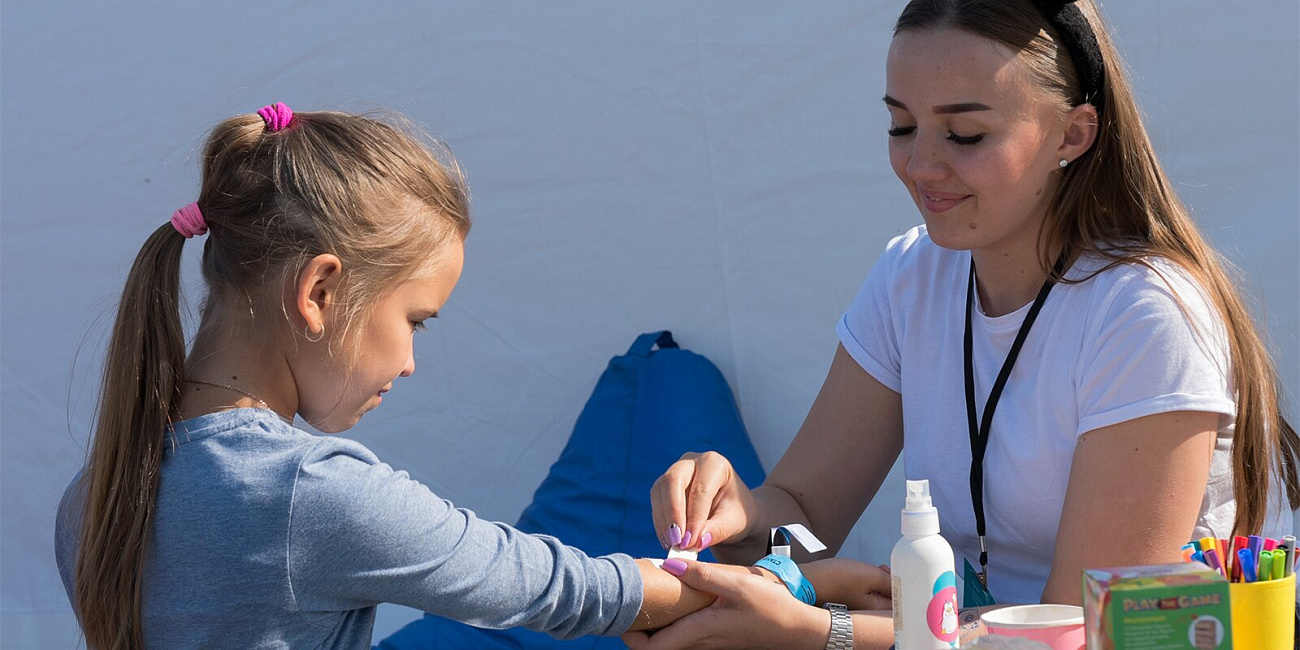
(1263, 613)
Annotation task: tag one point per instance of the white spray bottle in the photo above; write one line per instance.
(924, 580)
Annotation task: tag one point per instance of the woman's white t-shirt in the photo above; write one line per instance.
(1118, 346)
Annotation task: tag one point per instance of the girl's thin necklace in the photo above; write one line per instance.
(241, 392)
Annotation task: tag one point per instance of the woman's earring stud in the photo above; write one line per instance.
(1063, 163)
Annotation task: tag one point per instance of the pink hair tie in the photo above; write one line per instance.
(277, 116)
(188, 221)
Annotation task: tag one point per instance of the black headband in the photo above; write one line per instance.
(1080, 41)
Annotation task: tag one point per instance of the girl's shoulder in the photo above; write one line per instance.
(258, 445)
(259, 429)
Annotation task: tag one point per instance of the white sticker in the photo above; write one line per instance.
(804, 536)
(675, 552)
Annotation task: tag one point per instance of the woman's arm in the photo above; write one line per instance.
(841, 455)
(845, 448)
(1134, 496)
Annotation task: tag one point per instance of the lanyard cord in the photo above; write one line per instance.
(979, 432)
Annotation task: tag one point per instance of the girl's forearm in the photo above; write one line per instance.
(668, 599)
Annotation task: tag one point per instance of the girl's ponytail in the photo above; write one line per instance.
(141, 397)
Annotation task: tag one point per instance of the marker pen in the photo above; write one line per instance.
(1212, 560)
(1269, 543)
(1265, 566)
(1279, 560)
(1208, 543)
(1289, 540)
(1246, 560)
(1238, 543)
(1255, 544)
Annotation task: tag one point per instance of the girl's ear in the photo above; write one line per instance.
(1080, 132)
(315, 291)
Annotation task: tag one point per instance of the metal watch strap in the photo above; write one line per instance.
(841, 628)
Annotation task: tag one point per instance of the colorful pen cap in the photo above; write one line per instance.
(1246, 560)
(1256, 544)
(1212, 558)
(1208, 543)
(1238, 542)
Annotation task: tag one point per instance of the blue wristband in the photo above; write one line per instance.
(789, 573)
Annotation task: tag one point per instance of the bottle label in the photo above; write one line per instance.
(896, 589)
(941, 615)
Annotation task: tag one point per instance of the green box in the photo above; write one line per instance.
(1157, 607)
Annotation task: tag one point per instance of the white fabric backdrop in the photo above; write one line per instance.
(714, 168)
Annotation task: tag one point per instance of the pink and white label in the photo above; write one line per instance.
(941, 615)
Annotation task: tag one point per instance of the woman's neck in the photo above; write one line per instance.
(1007, 279)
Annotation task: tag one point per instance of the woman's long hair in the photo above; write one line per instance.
(1116, 202)
(362, 189)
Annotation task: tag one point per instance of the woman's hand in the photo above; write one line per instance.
(703, 496)
(751, 611)
(842, 453)
(851, 583)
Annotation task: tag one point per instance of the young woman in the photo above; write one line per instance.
(1056, 277)
(204, 518)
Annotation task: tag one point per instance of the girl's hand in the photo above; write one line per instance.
(751, 612)
(851, 583)
(702, 495)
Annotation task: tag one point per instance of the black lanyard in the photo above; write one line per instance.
(979, 433)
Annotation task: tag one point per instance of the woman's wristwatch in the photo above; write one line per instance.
(841, 637)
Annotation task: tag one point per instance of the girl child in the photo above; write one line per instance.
(1138, 408)
(204, 518)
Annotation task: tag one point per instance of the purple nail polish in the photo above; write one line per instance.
(675, 566)
(674, 535)
(686, 540)
(705, 540)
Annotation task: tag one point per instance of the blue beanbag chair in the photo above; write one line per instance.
(649, 407)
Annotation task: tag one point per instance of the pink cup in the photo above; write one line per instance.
(1059, 626)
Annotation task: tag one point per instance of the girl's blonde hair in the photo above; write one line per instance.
(1116, 202)
(357, 187)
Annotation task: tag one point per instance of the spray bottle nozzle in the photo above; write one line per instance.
(918, 495)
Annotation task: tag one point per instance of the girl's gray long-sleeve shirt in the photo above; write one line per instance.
(267, 536)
